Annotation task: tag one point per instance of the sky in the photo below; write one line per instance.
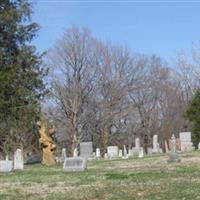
(149, 27)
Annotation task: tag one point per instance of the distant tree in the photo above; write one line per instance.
(21, 76)
(193, 115)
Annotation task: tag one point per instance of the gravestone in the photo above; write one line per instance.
(112, 151)
(141, 153)
(199, 146)
(86, 150)
(185, 140)
(120, 153)
(18, 160)
(98, 153)
(105, 156)
(137, 143)
(149, 150)
(155, 144)
(173, 156)
(63, 154)
(75, 153)
(74, 164)
(6, 165)
(130, 153)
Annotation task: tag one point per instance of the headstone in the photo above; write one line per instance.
(185, 139)
(160, 150)
(74, 164)
(130, 153)
(86, 150)
(98, 153)
(63, 154)
(125, 152)
(135, 151)
(6, 165)
(141, 153)
(75, 153)
(105, 156)
(18, 160)
(155, 144)
(199, 146)
(173, 156)
(112, 151)
(149, 150)
(137, 143)
(120, 153)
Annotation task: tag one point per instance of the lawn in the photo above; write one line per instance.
(148, 178)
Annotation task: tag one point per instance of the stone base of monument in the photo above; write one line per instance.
(173, 157)
(6, 165)
(75, 164)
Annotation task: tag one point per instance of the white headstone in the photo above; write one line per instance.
(141, 153)
(74, 164)
(98, 153)
(199, 146)
(6, 165)
(86, 150)
(155, 144)
(105, 155)
(130, 153)
(137, 143)
(185, 139)
(112, 151)
(18, 160)
(173, 156)
(63, 154)
(149, 150)
(75, 154)
(120, 153)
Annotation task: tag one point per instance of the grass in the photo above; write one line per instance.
(149, 178)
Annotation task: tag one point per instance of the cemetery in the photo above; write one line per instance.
(86, 117)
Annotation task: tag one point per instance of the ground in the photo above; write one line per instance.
(148, 178)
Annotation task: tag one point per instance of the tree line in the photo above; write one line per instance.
(97, 91)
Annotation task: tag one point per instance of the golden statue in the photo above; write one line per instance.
(46, 141)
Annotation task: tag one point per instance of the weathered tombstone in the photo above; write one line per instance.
(112, 151)
(120, 153)
(199, 146)
(18, 160)
(74, 164)
(149, 150)
(185, 139)
(98, 153)
(86, 150)
(141, 153)
(155, 144)
(137, 143)
(105, 156)
(63, 154)
(6, 165)
(173, 156)
(75, 153)
(130, 153)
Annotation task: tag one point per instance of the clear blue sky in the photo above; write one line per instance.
(162, 28)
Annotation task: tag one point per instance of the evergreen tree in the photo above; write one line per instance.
(21, 76)
(193, 114)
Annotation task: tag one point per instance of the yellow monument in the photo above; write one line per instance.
(46, 141)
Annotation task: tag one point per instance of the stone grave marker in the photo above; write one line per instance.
(156, 148)
(18, 160)
(74, 164)
(63, 154)
(98, 153)
(185, 140)
(86, 150)
(141, 153)
(173, 156)
(112, 151)
(6, 165)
